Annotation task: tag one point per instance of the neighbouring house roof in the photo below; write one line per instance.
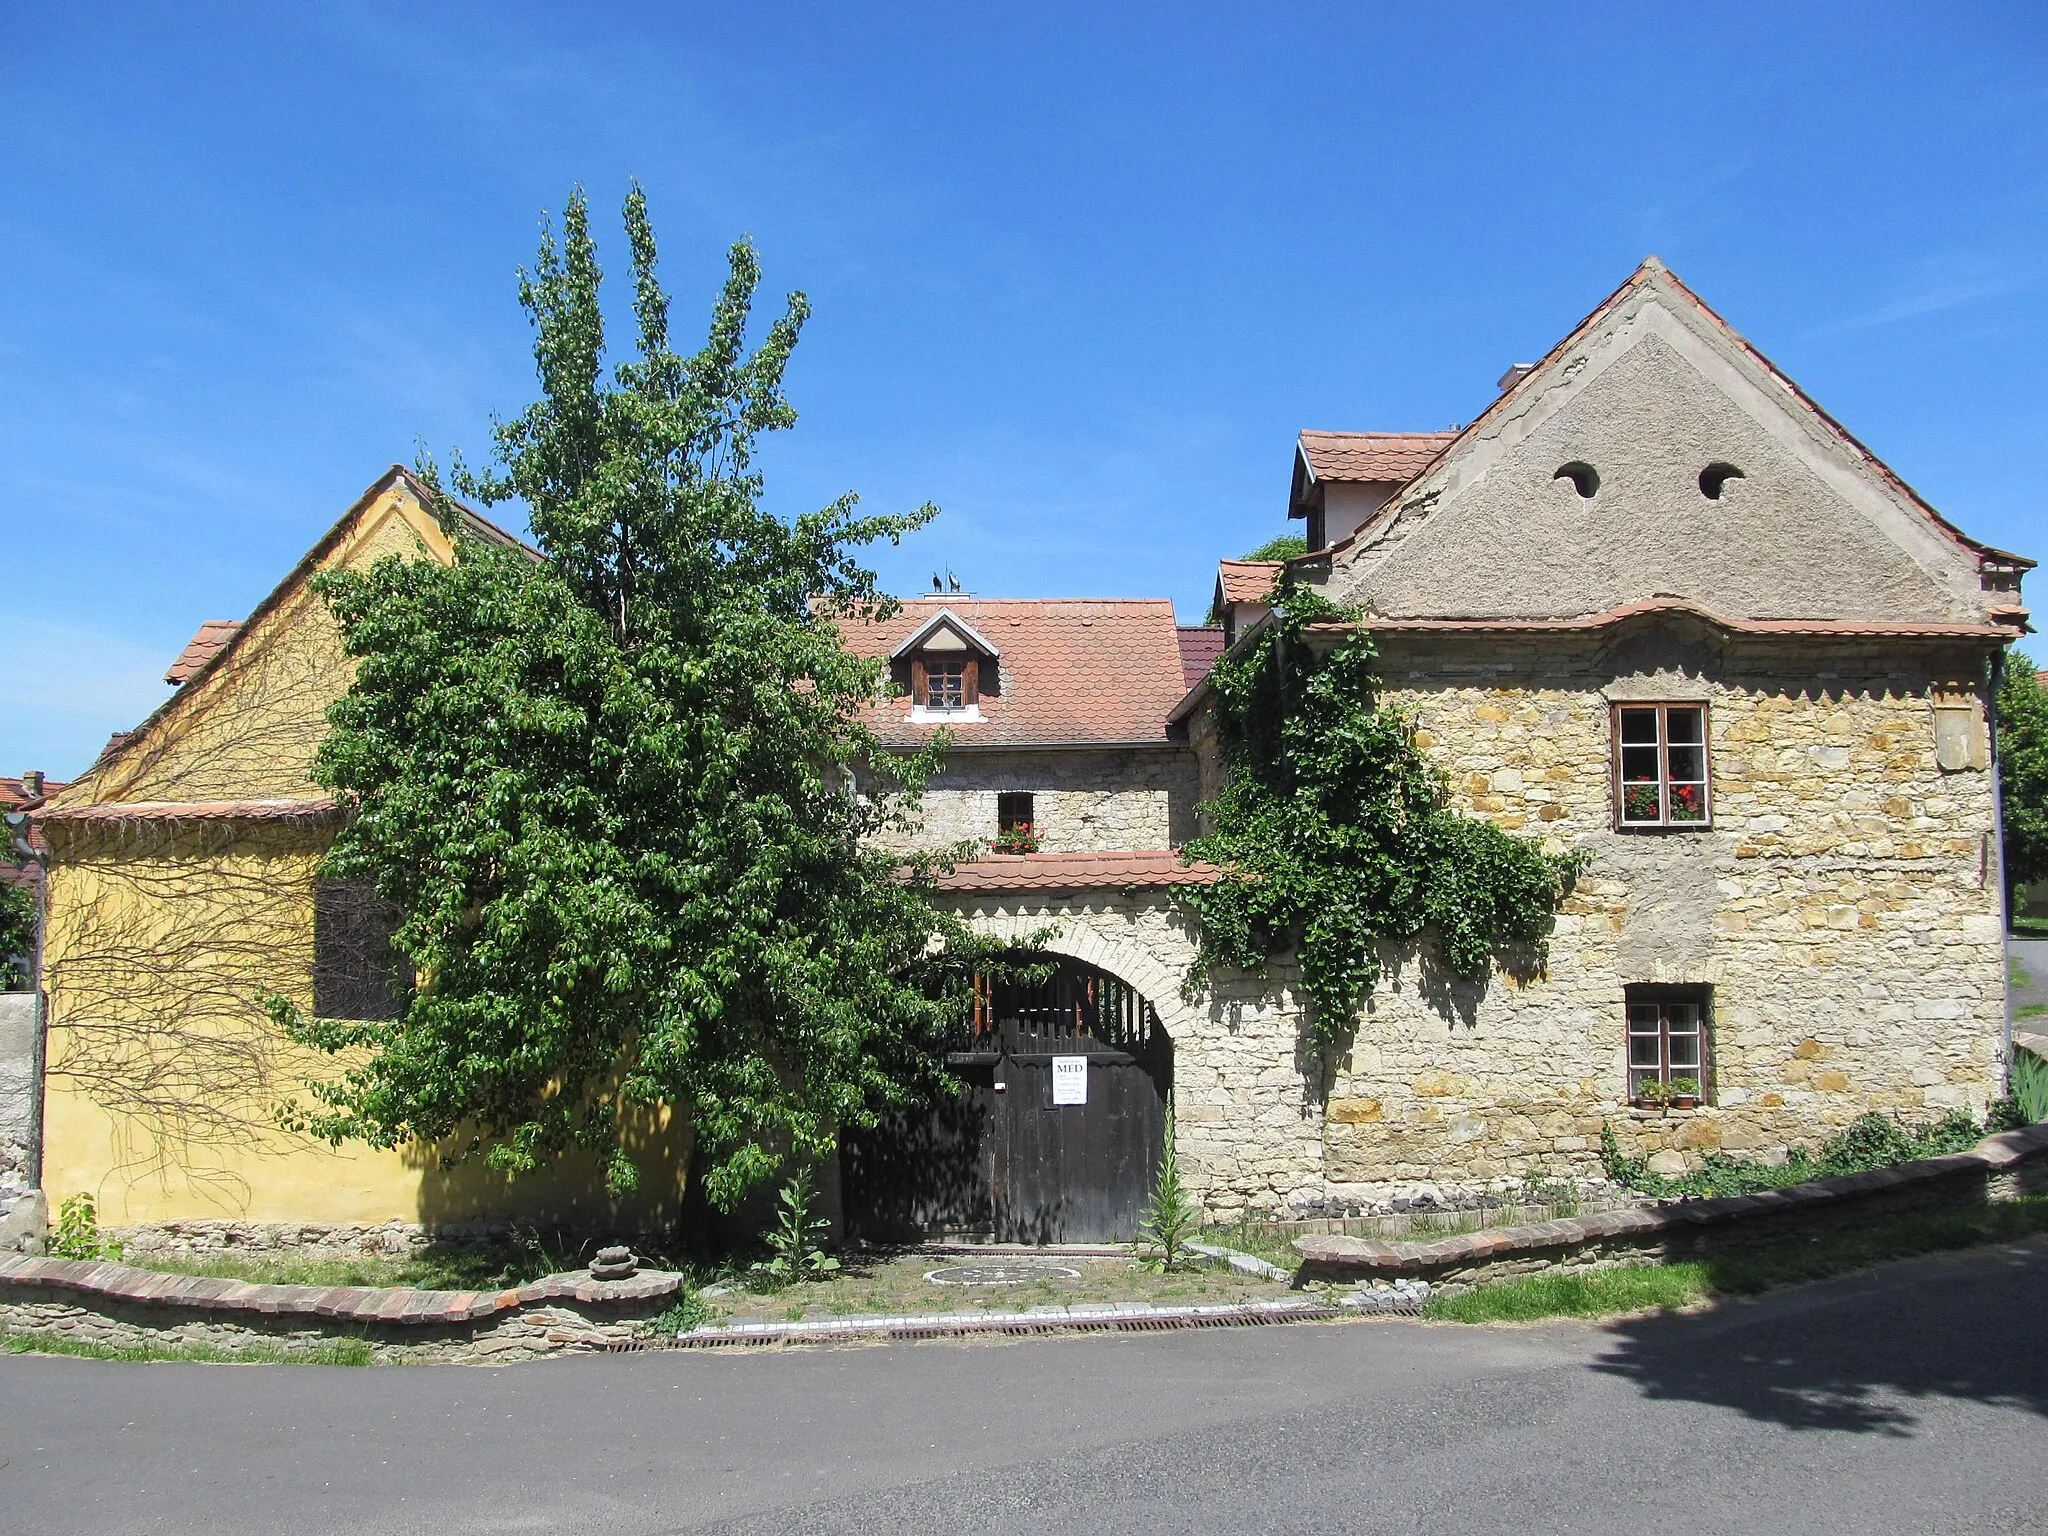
(200, 649)
(1074, 671)
(14, 796)
(1245, 581)
(1139, 869)
(1381, 457)
(1199, 650)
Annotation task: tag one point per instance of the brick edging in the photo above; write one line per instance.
(1140, 1316)
(1331, 1254)
(400, 1305)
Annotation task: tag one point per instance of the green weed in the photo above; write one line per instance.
(1607, 1292)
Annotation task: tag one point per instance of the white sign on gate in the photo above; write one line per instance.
(1070, 1079)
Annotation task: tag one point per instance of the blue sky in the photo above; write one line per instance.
(1079, 273)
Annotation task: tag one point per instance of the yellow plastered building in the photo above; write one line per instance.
(181, 897)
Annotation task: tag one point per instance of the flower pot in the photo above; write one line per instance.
(1685, 1101)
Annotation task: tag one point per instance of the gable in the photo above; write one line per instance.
(1650, 392)
(246, 721)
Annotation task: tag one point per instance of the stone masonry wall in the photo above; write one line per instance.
(1084, 801)
(17, 1094)
(1247, 1135)
(1844, 909)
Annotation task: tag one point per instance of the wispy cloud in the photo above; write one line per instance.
(1928, 301)
(66, 688)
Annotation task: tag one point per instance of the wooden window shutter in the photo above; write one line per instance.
(970, 683)
(919, 695)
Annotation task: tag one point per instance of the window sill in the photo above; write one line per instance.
(921, 715)
(1665, 1111)
(1660, 827)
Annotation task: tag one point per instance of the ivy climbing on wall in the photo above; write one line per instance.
(1336, 832)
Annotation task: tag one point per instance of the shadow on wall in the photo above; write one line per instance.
(568, 1196)
(1857, 1355)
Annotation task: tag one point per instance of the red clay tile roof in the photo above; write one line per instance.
(1246, 581)
(1079, 670)
(202, 648)
(1199, 649)
(192, 810)
(1149, 867)
(1384, 456)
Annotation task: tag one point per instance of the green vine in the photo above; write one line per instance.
(1336, 833)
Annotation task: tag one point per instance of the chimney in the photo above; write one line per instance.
(32, 783)
(1515, 375)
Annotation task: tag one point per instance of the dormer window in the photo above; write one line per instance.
(948, 667)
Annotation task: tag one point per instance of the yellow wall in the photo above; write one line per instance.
(164, 1071)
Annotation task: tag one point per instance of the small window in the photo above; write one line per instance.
(1016, 827)
(1660, 755)
(1715, 477)
(1584, 478)
(944, 684)
(1667, 1043)
(356, 973)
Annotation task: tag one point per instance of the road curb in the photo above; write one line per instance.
(1116, 1317)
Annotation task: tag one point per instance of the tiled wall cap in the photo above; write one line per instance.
(402, 1305)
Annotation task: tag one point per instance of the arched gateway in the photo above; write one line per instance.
(1055, 1134)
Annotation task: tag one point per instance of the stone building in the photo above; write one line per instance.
(1654, 605)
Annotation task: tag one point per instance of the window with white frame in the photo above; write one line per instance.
(1667, 1043)
(1660, 765)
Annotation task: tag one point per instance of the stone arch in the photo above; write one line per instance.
(1076, 935)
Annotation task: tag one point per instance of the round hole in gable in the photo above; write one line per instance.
(1584, 478)
(1715, 477)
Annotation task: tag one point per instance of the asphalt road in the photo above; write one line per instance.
(1913, 1398)
(2032, 955)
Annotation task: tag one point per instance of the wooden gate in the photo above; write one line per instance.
(999, 1159)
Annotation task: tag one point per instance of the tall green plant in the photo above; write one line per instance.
(796, 1237)
(1335, 831)
(2030, 1087)
(611, 790)
(1171, 1217)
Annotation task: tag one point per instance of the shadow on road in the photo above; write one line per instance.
(1854, 1354)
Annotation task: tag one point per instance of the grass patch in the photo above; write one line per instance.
(466, 1268)
(2030, 1011)
(2030, 927)
(1608, 1292)
(339, 1352)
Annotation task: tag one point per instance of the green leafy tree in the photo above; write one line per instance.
(1336, 833)
(2023, 771)
(1285, 547)
(17, 934)
(612, 791)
